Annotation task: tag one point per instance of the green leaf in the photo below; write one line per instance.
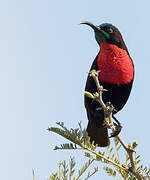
(137, 157)
(88, 94)
(118, 147)
(138, 161)
(66, 146)
(72, 165)
(110, 171)
(84, 168)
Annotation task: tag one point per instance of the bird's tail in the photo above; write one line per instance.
(98, 134)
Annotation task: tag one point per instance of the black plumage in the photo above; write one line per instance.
(116, 94)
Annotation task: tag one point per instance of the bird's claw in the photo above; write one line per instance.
(111, 107)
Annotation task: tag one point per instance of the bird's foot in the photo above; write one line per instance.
(110, 107)
(118, 128)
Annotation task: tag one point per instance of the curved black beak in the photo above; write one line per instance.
(95, 28)
(100, 35)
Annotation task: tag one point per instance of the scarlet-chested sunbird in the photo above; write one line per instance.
(116, 74)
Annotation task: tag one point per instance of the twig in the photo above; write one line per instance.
(80, 174)
(99, 99)
(94, 75)
(106, 159)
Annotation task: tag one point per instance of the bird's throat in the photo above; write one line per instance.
(115, 65)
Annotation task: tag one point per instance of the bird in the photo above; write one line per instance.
(115, 73)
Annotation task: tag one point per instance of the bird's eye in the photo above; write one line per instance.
(109, 30)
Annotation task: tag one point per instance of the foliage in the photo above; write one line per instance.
(128, 166)
(110, 156)
(68, 171)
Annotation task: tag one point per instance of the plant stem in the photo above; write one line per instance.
(129, 151)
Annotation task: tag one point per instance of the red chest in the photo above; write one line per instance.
(115, 65)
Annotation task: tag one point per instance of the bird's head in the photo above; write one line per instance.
(107, 33)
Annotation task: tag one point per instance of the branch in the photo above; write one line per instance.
(107, 111)
(98, 97)
(106, 159)
(84, 143)
(81, 141)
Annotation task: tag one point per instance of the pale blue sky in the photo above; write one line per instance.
(44, 59)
